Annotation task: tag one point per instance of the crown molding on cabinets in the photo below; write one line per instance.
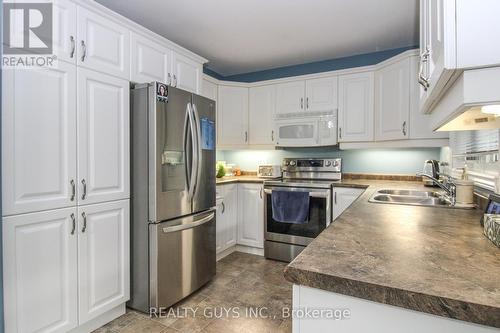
(354, 70)
(139, 29)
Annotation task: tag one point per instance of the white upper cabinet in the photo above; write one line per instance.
(102, 44)
(103, 258)
(420, 124)
(103, 137)
(209, 89)
(40, 271)
(64, 32)
(356, 100)
(250, 215)
(321, 94)
(150, 61)
(452, 40)
(392, 101)
(290, 97)
(232, 115)
(261, 115)
(187, 73)
(38, 139)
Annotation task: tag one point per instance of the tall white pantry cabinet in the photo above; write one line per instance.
(65, 174)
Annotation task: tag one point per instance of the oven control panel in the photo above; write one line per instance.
(312, 164)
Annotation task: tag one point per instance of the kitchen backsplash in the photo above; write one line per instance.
(386, 161)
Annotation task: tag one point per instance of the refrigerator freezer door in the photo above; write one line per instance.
(171, 151)
(204, 194)
(182, 257)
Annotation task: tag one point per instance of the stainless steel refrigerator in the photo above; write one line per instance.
(173, 194)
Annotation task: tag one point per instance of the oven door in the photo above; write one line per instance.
(299, 234)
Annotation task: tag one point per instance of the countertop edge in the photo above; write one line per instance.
(432, 304)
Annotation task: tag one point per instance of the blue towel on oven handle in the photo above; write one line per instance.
(290, 206)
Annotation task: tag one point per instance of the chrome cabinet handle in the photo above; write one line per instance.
(84, 222)
(84, 51)
(340, 132)
(302, 102)
(246, 136)
(421, 79)
(169, 79)
(73, 190)
(307, 102)
(84, 195)
(272, 135)
(404, 128)
(174, 81)
(335, 197)
(261, 192)
(223, 207)
(73, 220)
(72, 40)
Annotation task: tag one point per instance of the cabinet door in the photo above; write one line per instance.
(103, 137)
(103, 45)
(250, 215)
(420, 124)
(290, 97)
(392, 101)
(261, 115)
(64, 33)
(219, 226)
(103, 258)
(209, 89)
(187, 74)
(40, 271)
(38, 139)
(343, 198)
(356, 107)
(150, 61)
(232, 115)
(322, 94)
(231, 214)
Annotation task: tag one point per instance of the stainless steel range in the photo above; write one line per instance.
(284, 241)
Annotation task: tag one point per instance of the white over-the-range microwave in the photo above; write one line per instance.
(314, 129)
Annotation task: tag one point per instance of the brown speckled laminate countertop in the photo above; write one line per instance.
(433, 260)
(239, 179)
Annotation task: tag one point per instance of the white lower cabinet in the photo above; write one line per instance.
(343, 197)
(103, 258)
(64, 267)
(40, 271)
(227, 215)
(251, 215)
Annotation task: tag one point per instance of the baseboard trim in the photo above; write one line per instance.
(240, 248)
(101, 320)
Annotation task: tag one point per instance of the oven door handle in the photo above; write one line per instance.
(311, 194)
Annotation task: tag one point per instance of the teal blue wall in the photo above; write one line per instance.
(382, 161)
(312, 67)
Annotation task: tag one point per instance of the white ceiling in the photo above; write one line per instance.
(240, 36)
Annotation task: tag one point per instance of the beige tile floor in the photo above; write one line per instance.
(243, 283)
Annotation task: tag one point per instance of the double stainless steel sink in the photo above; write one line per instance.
(411, 197)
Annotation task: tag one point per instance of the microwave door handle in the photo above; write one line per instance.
(199, 156)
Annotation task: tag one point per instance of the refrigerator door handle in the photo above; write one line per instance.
(191, 225)
(199, 155)
(194, 152)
